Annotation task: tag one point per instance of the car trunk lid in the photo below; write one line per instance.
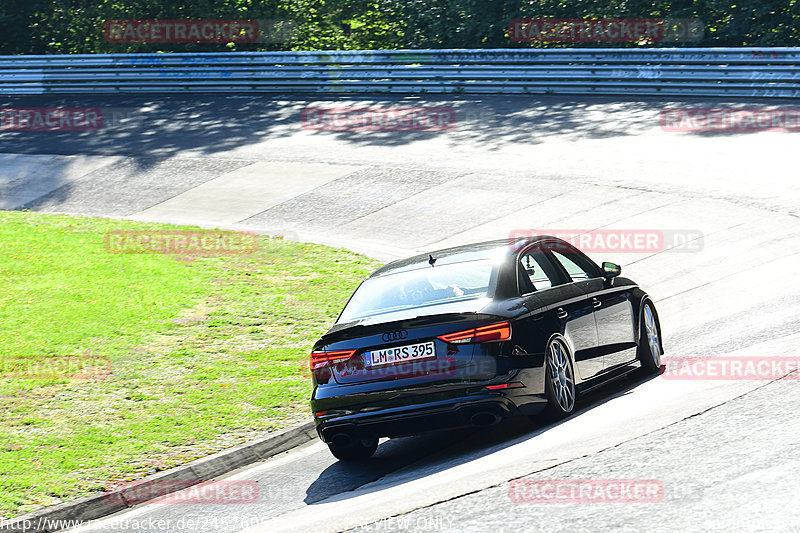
(403, 344)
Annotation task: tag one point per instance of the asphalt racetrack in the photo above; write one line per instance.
(725, 452)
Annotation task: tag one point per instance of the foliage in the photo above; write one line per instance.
(75, 26)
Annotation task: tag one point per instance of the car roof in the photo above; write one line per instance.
(458, 254)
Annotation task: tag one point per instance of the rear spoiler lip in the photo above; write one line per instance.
(472, 305)
(340, 335)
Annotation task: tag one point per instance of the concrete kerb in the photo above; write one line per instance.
(204, 469)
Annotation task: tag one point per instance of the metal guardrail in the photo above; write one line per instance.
(739, 72)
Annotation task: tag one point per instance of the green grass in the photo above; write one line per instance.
(204, 353)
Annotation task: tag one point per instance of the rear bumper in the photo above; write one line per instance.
(471, 407)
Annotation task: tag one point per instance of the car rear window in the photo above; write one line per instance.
(419, 287)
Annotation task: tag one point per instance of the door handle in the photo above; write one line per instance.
(560, 313)
(596, 303)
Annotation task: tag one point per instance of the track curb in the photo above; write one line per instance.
(203, 469)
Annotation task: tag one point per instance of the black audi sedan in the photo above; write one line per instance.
(470, 335)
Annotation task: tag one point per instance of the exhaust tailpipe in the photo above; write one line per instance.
(484, 418)
(341, 440)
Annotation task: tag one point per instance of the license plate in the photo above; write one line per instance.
(400, 354)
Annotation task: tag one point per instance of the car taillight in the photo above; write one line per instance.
(493, 332)
(319, 359)
(511, 385)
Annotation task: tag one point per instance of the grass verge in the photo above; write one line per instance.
(203, 353)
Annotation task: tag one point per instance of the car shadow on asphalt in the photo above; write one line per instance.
(410, 458)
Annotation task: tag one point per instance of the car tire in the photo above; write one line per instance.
(559, 380)
(649, 350)
(356, 450)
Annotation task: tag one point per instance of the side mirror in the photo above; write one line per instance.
(611, 270)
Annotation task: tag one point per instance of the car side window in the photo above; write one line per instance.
(575, 271)
(532, 274)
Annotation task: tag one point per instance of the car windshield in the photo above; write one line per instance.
(420, 287)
